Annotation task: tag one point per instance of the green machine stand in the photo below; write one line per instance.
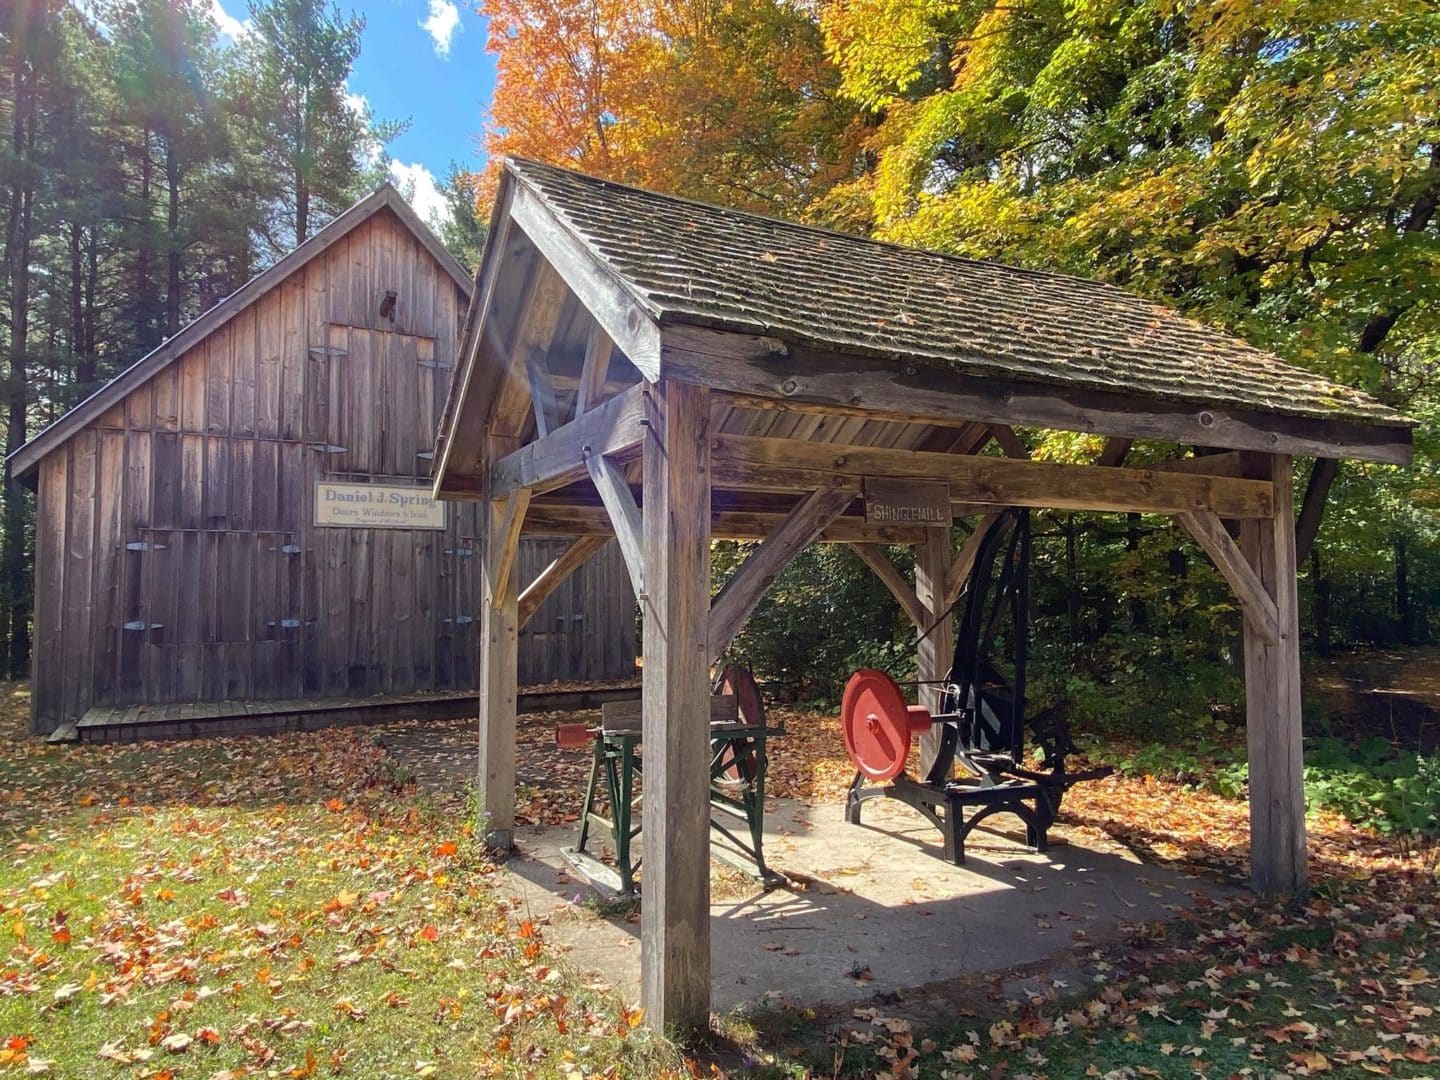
(738, 763)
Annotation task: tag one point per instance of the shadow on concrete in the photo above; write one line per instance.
(868, 910)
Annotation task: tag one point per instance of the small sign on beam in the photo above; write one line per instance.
(907, 502)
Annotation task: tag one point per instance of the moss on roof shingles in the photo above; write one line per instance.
(690, 262)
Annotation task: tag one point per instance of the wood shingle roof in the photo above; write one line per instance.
(686, 262)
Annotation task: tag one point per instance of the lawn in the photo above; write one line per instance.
(284, 907)
(301, 906)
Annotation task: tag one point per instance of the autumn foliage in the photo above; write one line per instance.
(732, 102)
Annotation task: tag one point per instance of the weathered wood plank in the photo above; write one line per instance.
(675, 918)
(47, 704)
(1272, 700)
(762, 463)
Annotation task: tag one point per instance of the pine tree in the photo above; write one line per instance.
(308, 134)
(463, 233)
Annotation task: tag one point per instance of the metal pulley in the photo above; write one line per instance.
(879, 723)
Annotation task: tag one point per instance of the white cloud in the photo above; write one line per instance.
(230, 27)
(417, 184)
(444, 20)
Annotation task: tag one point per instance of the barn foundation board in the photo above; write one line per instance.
(229, 718)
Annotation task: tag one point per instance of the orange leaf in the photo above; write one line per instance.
(430, 933)
(448, 848)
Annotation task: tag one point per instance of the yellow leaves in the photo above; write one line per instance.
(1311, 1062)
(350, 1010)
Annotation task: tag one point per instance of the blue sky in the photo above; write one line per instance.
(421, 60)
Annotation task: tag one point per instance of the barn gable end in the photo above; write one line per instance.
(178, 555)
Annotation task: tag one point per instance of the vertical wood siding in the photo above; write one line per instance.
(176, 559)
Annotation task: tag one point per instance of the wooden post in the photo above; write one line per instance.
(499, 661)
(675, 917)
(936, 643)
(1272, 696)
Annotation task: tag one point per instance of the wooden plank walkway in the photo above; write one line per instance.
(189, 720)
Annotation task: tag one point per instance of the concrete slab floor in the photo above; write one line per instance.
(869, 909)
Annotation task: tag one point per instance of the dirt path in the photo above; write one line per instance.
(1390, 692)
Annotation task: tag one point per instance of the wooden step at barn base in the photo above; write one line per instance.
(192, 720)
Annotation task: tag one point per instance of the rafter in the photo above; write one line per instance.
(598, 350)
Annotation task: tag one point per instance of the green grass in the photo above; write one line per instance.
(295, 907)
(284, 907)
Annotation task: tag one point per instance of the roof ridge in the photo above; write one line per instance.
(824, 230)
(386, 196)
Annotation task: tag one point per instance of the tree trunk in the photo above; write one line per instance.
(302, 209)
(1321, 585)
(1404, 610)
(144, 291)
(16, 590)
(87, 371)
(172, 243)
(1072, 583)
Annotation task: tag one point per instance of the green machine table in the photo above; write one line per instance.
(738, 763)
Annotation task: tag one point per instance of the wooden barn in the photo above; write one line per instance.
(240, 524)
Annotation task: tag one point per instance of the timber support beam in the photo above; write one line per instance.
(554, 575)
(784, 464)
(732, 606)
(675, 918)
(1272, 697)
(499, 660)
(558, 458)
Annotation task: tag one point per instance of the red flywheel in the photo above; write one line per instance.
(878, 724)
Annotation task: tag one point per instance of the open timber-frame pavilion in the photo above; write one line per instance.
(667, 372)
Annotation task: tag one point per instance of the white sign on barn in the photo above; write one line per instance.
(377, 506)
